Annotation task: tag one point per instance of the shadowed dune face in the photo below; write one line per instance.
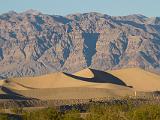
(10, 94)
(99, 77)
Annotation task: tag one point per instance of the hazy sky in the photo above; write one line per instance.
(63, 7)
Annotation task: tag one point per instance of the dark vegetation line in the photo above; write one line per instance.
(126, 109)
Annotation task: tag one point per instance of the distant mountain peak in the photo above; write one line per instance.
(32, 11)
(154, 20)
(88, 14)
(139, 15)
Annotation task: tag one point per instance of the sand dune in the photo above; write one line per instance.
(140, 79)
(1, 82)
(14, 85)
(88, 83)
(61, 80)
(75, 93)
(86, 73)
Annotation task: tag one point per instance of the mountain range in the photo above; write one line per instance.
(33, 43)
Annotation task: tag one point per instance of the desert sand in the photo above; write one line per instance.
(140, 79)
(85, 84)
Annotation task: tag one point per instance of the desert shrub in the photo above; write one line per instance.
(17, 110)
(123, 112)
(51, 114)
(105, 112)
(72, 115)
(4, 117)
(100, 111)
(145, 112)
(44, 114)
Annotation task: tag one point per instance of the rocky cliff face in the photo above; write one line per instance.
(32, 43)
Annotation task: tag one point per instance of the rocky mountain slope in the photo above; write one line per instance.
(32, 43)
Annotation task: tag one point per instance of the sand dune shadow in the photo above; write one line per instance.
(100, 77)
(11, 94)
